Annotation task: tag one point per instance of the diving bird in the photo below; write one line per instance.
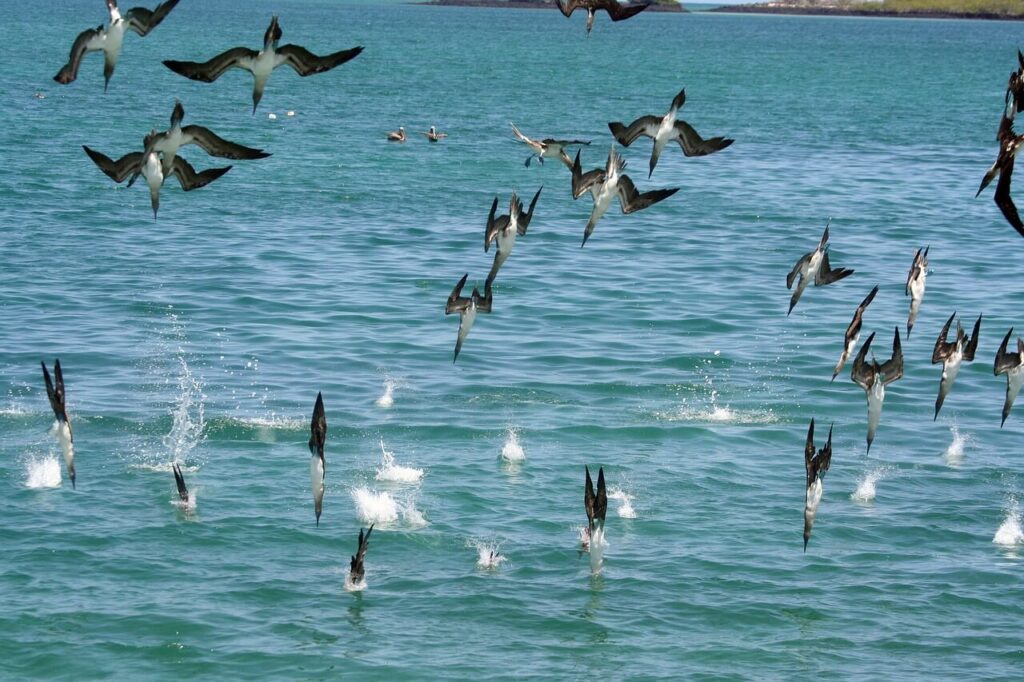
(179, 480)
(814, 266)
(951, 354)
(109, 39)
(148, 164)
(357, 571)
(615, 10)
(853, 332)
(1009, 146)
(606, 184)
(874, 377)
(915, 285)
(548, 148)
(504, 230)
(174, 138)
(1015, 89)
(815, 465)
(467, 307)
(433, 135)
(317, 465)
(1012, 365)
(261, 63)
(62, 426)
(596, 505)
(665, 129)
(397, 135)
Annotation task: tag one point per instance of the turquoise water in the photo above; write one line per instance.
(661, 351)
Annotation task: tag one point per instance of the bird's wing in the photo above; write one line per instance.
(142, 20)
(1003, 199)
(306, 63)
(626, 135)
(214, 145)
(826, 275)
(943, 348)
(209, 71)
(632, 200)
(694, 145)
(179, 481)
(119, 170)
(1004, 361)
(588, 496)
(809, 452)
(524, 218)
(581, 182)
(601, 499)
(913, 270)
(618, 11)
(456, 301)
(87, 41)
(862, 373)
(190, 179)
(318, 427)
(892, 369)
(972, 345)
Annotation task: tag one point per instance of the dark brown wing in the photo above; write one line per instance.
(601, 499)
(179, 481)
(525, 218)
(892, 369)
(942, 347)
(826, 275)
(79, 48)
(119, 170)
(1004, 361)
(972, 345)
(209, 71)
(456, 301)
(913, 271)
(809, 452)
(589, 497)
(55, 391)
(581, 182)
(626, 135)
(618, 11)
(306, 63)
(633, 201)
(567, 7)
(142, 20)
(356, 568)
(494, 225)
(1003, 199)
(694, 145)
(214, 145)
(483, 303)
(190, 179)
(862, 373)
(318, 428)
(821, 462)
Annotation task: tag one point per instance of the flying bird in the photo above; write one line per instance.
(109, 39)
(606, 184)
(174, 138)
(467, 307)
(317, 465)
(357, 571)
(261, 64)
(874, 377)
(853, 332)
(951, 354)
(815, 466)
(548, 148)
(62, 426)
(505, 228)
(814, 266)
(1015, 89)
(1009, 146)
(615, 10)
(1012, 365)
(665, 129)
(915, 285)
(148, 164)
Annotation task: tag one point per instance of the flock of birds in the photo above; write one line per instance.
(159, 160)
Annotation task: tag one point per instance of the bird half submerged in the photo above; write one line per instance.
(815, 465)
(317, 464)
(665, 129)
(261, 64)
(109, 39)
(62, 426)
(1012, 365)
(356, 579)
(606, 184)
(596, 505)
(874, 377)
(814, 266)
(951, 354)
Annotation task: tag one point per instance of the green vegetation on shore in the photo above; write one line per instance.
(1005, 7)
(982, 9)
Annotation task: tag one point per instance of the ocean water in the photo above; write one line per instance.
(661, 351)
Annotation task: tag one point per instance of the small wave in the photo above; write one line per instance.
(625, 500)
(394, 473)
(186, 506)
(1010, 533)
(512, 450)
(488, 555)
(42, 473)
(866, 488)
(387, 398)
(164, 467)
(954, 454)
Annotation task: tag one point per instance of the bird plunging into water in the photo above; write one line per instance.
(615, 9)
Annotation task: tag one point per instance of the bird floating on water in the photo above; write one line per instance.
(261, 64)
(951, 354)
(814, 266)
(397, 135)
(109, 39)
(433, 135)
(62, 426)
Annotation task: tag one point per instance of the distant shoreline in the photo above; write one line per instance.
(527, 4)
(802, 10)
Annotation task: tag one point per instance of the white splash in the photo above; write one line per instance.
(165, 467)
(272, 116)
(387, 399)
(354, 585)
(866, 488)
(274, 421)
(712, 411)
(291, 113)
(412, 516)
(62, 431)
(1010, 533)
(42, 473)
(185, 505)
(954, 454)
(375, 507)
(394, 473)
(488, 555)
(512, 450)
(625, 500)
(187, 429)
